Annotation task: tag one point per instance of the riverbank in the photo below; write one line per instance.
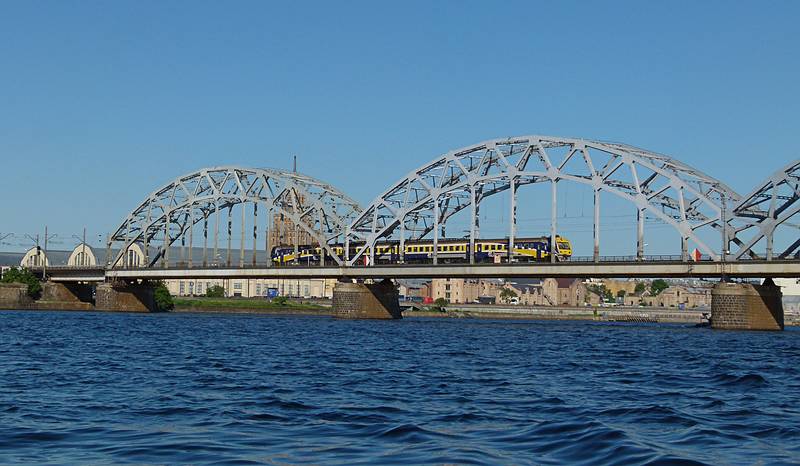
(249, 306)
(568, 313)
(474, 311)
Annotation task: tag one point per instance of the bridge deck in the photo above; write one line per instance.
(676, 269)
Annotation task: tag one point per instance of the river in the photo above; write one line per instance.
(83, 387)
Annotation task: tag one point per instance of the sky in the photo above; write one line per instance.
(103, 102)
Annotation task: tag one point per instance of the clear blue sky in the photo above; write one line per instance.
(101, 102)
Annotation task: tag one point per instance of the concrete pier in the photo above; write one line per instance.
(125, 298)
(363, 301)
(742, 306)
(65, 296)
(14, 296)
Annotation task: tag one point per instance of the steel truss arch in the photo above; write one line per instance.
(171, 211)
(757, 216)
(663, 187)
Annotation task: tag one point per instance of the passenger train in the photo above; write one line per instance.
(449, 251)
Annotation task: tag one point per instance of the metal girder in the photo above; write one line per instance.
(171, 211)
(420, 204)
(665, 188)
(757, 216)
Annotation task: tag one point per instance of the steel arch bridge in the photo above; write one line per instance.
(696, 205)
(171, 212)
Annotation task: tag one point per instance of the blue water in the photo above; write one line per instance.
(242, 389)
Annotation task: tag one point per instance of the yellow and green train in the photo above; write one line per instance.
(449, 251)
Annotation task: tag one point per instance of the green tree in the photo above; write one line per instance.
(24, 276)
(640, 287)
(621, 294)
(163, 298)
(215, 291)
(440, 304)
(658, 286)
(506, 295)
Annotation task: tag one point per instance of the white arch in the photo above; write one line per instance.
(172, 210)
(421, 202)
(34, 257)
(83, 255)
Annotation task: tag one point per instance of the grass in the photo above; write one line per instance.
(239, 303)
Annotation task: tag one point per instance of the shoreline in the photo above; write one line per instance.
(639, 315)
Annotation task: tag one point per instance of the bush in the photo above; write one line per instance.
(506, 295)
(439, 304)
(24, 276)
(215, 291)
(163, 298)
(279, 300)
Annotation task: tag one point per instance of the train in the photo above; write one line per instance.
(449, 251)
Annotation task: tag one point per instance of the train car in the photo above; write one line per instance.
(486, 250)
(449, 251)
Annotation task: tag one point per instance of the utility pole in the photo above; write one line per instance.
(83, 247)
(44, 263)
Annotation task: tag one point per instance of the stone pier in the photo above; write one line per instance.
(65, 296)
(742, 306)
(363, 301)
(125, 297)
(14, 296)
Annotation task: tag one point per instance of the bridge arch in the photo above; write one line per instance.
(759, 214)
(421, 202)
(175, 210)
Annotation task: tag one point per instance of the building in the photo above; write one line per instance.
(532, 292)
(679, 296)
(255, 287)
(461, 291)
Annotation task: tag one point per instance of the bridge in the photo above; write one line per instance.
(732, 235)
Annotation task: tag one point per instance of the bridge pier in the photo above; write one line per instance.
(14, 296)
(65, 296)
(363, 301)
(742, 306)
(125, 297)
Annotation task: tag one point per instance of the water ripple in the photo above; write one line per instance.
(242, 389)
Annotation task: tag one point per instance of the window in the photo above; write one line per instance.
(191, 288)
(237, 285)
(258, 289)
(181, 288)
(305, 293)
